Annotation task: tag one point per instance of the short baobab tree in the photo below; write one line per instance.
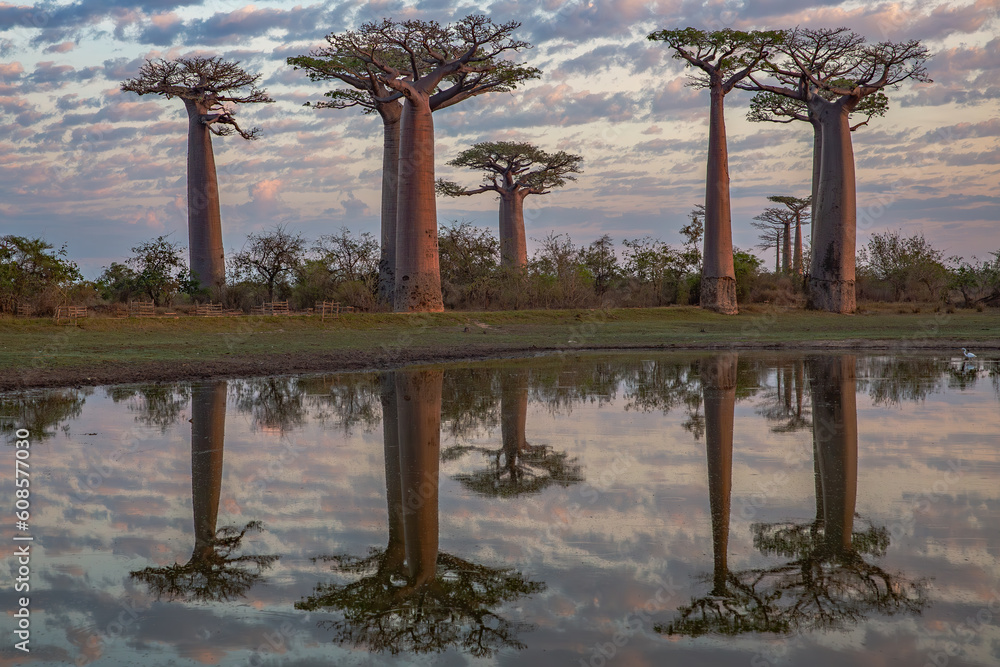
(513, 171)
(725, 57)
(443, 65)
(209, 87)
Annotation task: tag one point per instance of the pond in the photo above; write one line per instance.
(585, 509)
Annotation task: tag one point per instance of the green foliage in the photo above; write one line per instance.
(907, 266)
(513, 166)
(269, 260)
(721, 53)
(977, 281)
(601, 263)
(32, 273)
(156, 270)
(747, 267)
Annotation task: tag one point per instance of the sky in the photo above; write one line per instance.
(86, 165)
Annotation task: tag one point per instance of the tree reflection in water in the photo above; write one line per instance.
(827, 583)
(215, 570)
(409, 597)
(518, 467)
(40, 412)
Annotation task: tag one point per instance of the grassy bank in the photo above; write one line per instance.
(36, 352)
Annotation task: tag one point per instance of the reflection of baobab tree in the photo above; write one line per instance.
(784, 406)
(517, 467)
(829, 580)
(215, 571)
(409, 597)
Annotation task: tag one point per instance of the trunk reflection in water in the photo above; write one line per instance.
(410, 597)
(215, 570)
(826, 582)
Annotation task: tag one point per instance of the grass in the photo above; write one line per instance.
(33, 343)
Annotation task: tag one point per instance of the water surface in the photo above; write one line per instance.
(718, 509)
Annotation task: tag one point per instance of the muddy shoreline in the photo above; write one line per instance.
(108, 373)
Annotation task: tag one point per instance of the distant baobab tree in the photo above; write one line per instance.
(832, 70)
(440, 66)
(776, 224)
(208, 87)
(513, 170)
(340, 62)
(725, 57)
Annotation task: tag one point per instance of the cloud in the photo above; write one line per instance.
(63, 47)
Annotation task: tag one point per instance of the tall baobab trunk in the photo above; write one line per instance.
(718, 275)
(395, 550)
(513, 417)
(513, 244)
(831, 275)
(208, 260)
(835, 442)
(718, 381)
(390, 114)
(786, 238)
(418, 411)
(418, 276)
(817, 161)
(797, 261)
(208, 430)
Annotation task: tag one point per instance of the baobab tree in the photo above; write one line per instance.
(725, 57)
(513, 170)
(773, 108)
(832, 71)
(771, 224)
(367, 91)
(798, 210)
(208, 87)
(776, 224)
(440, 66)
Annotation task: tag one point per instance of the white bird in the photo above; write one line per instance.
(968, 355)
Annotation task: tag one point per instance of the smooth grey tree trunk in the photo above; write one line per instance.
(797, 262)
(817, 160)
(513, 244)
(835, 442)
(718, 275)
(786, 237)
(208, 432)
(718, 382)
(418, 411)
(395, 549)
(418, 276)
(390, 178)
(208, 258)
(513, 416)
(832, 270)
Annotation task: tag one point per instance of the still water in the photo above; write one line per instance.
(624, 509)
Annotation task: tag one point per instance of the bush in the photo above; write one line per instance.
(33, 275)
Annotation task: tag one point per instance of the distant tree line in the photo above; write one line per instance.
(281, 265)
